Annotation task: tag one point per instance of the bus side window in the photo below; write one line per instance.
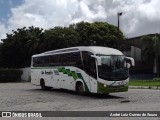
(42, 61)
(93, 71)
(34, 62)
(75, 60)
(89, 64)
(78, 62)
(52, 60)
(46, 61)
(58, 58)
(86, 61)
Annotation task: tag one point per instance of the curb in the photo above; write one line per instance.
(145, 87)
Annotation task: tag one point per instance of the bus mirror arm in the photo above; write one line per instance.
(132, 60)
(99, 62)
(128, 65)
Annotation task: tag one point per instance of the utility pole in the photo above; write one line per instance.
(118, 15)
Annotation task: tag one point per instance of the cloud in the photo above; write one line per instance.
(139, 16)
(92, 13)
(3, 31)
(42, 13)
(50, 13)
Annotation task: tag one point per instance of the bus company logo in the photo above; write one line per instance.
(56, 72)
(121, 83)
(48, 72)
(6, 114)
(42, 72)
(112, 83)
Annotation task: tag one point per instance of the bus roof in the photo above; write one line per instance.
(93, 49)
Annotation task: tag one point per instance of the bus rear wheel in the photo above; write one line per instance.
(43, 87)
(79, 88)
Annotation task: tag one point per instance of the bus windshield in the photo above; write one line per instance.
(113, 68)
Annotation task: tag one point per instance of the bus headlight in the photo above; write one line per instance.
(104, 85)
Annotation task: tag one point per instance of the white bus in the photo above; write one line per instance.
(83, 69)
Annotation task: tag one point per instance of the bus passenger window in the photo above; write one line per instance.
(93, 71)
(89, 64)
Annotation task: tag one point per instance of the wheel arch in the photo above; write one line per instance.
(41, 80)
(79, 82)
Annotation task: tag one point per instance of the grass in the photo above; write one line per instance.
(144, 83)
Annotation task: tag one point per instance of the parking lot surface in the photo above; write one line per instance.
(27, 97)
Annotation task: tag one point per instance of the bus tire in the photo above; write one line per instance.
(79, 88)
(42, 84)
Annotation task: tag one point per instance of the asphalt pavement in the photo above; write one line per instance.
(27, 97)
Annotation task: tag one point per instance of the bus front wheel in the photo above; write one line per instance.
(79, 88)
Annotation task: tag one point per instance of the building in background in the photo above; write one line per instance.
(133, 48)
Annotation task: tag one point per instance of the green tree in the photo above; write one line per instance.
(34, 40)
(102, 33)
(59, 37)
(151, 51)
(1, 58)
(16, 48)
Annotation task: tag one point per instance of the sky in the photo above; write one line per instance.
(139, 17)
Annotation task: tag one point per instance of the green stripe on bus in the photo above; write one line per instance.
(74, 75)
(59, 69)
(69, 72)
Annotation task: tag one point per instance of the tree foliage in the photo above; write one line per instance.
(151, 51)
(102, 33)
(18, 47)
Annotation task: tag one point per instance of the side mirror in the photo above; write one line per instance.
(132, 61)
(99, 62)
(128, 65)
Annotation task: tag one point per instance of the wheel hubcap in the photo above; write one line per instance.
(81, 88)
